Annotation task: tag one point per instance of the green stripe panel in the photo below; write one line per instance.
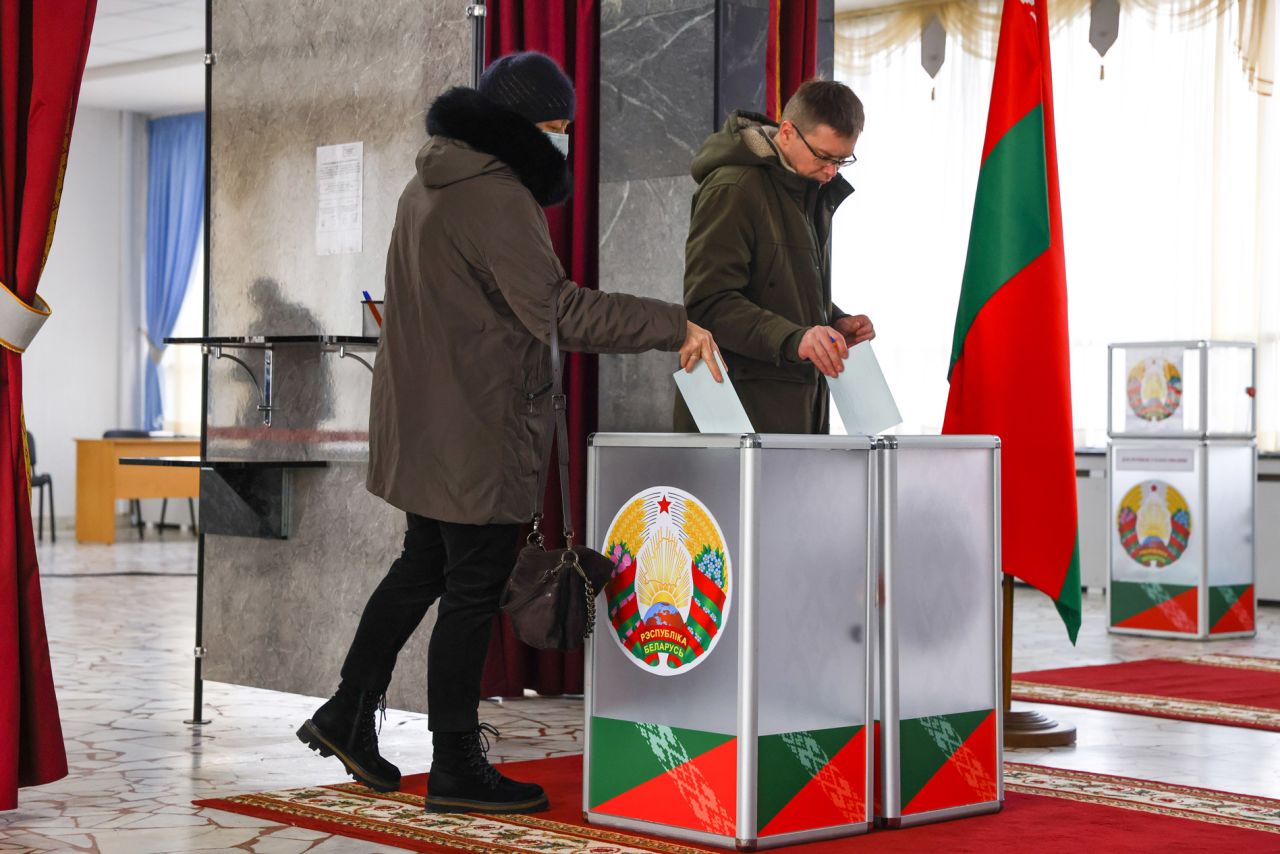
(626, 754)
(1222, 598)
(788, 762)
(1010, 220)
(927, 744)
(1129, 599)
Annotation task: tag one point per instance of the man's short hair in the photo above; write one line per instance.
(825, 102)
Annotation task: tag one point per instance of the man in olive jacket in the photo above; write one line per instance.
(460, 418)
(758, 257)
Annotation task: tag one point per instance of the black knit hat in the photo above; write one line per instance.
(531, 84)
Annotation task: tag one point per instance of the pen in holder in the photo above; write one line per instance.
(371, 318)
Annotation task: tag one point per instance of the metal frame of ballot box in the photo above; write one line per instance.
(1182, 471)
(728, 677)
(939, 680)
(1197, 402)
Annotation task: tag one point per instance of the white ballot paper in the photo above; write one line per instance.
(715, 407)
(862, 395)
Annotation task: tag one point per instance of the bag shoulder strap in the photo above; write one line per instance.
(560, 403)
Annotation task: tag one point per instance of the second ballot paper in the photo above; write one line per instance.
(861, 394)
(715, 407)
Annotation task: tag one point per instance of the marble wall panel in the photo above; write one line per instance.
(643, 226)
(280, 614)
(657, 98)
(827, 39)
(742, 28)
(292, 75)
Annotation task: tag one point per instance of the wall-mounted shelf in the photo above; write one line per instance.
(260, 342)
(346, 346)
(240, 497)
(223, 463)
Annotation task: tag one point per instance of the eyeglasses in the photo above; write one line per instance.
(826, 158)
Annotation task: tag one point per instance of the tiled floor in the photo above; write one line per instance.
(120, 628)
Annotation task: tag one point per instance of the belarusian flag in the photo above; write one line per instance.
(1010, 368)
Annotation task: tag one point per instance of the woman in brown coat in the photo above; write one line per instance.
(460, 420)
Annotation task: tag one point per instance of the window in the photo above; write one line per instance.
(1170, 182)
(181, 365)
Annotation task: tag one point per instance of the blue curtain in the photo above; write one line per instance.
(175, 209)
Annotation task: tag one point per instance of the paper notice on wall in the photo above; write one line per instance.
(339, 198)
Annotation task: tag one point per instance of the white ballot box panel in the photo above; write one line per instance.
(813, 634)
(944, 556)
(940, 629)
(630, 683)
(1231, 477)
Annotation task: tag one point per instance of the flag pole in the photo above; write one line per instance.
(1025, 727)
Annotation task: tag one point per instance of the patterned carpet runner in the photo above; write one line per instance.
(1046, 808)
(1233, 690)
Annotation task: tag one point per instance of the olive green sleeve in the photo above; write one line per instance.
(718, 261)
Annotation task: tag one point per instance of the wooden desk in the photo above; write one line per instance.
(100, 480)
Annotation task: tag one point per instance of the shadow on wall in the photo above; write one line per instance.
(302, 376)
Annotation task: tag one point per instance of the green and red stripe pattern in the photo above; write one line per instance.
(688, 778)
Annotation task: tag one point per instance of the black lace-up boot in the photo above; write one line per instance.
(462, 780)
(346, 727)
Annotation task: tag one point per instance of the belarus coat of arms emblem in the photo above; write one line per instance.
(1154, 523)
(1154, 389)
(670, 592)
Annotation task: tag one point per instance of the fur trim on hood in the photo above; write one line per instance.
(467, 116)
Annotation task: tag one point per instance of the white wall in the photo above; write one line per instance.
(81, 375)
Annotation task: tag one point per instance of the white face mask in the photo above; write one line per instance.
(560, 141)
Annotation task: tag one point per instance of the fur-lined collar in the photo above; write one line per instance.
(466, 115)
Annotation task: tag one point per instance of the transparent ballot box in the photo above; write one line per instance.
(1181, 389)
(1180, 548)
(938, 682)
(727, 696)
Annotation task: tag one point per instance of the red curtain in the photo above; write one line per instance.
(43, 44)
(569, 32)
(791, 52)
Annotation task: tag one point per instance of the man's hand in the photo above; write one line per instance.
(825, 347)
(856, 328)
(699, 345)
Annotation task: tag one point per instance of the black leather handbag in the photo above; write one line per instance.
(551, 595)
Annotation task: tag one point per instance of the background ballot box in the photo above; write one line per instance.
(1182, 533)
(727, 695)
(1181, 389)
(938, 685)
(1182, 468)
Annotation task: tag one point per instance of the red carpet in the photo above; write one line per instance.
(1046, 809)
(1220, 689)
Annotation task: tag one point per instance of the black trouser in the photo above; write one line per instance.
(466, 568)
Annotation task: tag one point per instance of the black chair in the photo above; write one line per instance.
(40, 481)
(135, 506)
(163, 526)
